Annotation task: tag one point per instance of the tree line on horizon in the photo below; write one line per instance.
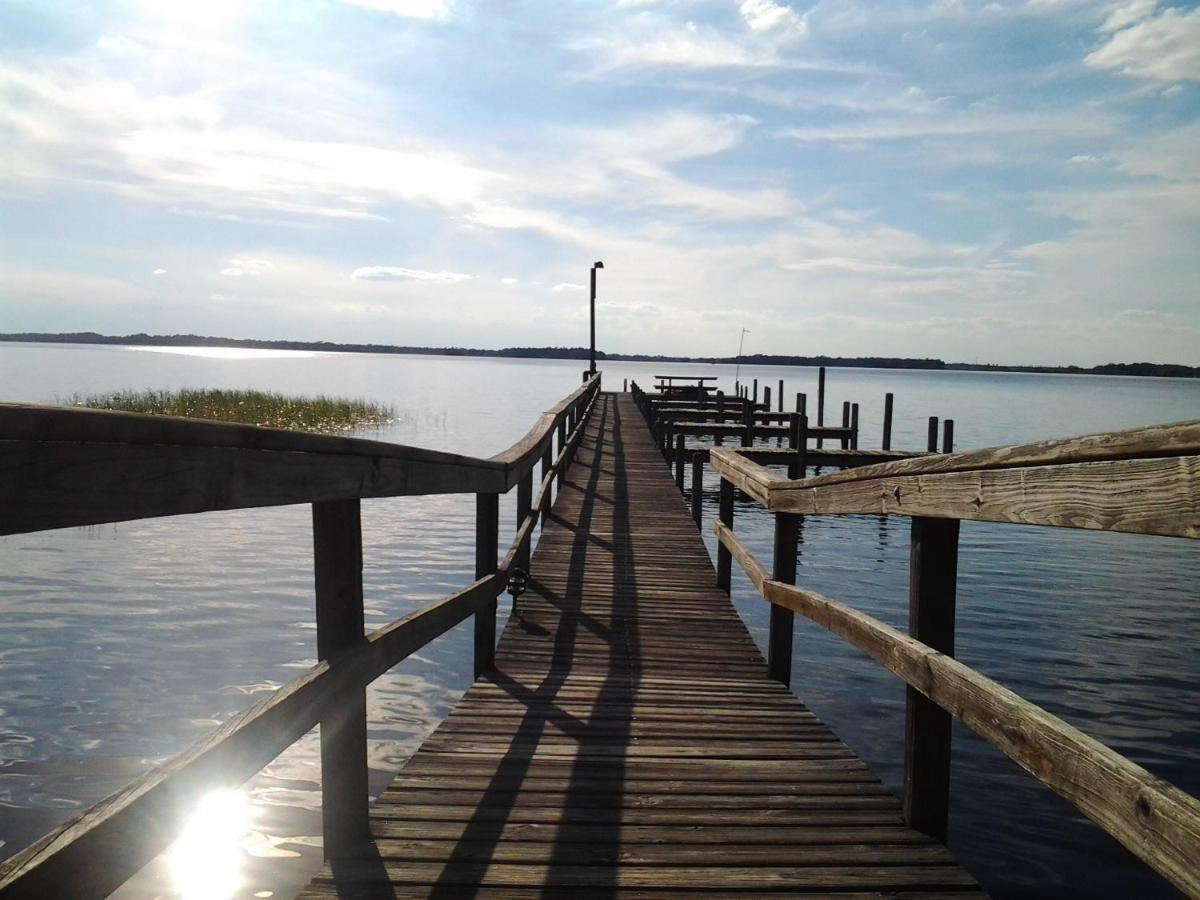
(1167, 370)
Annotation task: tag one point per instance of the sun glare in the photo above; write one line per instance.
(206, 860)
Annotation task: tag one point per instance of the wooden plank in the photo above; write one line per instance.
(629, 738)
(1141, 496)
(1153, 819)
(94, 852)
(932, 589)
(338, 563)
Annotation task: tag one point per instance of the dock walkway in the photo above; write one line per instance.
(629, 742)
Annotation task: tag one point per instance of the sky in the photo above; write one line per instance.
(1014, 182)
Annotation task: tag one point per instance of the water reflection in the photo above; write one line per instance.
(206, 861)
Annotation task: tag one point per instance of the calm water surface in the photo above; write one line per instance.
(123, 644)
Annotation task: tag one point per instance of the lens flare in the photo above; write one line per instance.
(206, 860)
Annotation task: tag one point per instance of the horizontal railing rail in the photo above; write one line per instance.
(96, 851)
(1145, 481)
(67, 466)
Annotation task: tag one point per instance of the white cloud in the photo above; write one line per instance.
(509, 281)
(430, 10)
(233, 272)
(160, 272)
(1128, 14)
(566, 286)
(764, 15)
(398, 273)
(1162, 47)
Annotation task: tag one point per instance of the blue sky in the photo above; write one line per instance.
(1014, 181)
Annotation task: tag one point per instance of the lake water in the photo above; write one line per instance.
(123, 644)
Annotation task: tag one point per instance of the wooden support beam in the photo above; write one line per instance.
(524, 506)
(697, 488)
(562, 442)
(487, 532)
(932, 589)
(547, 465)
(782, 628)
(725, 516)
(680, 462)
(887, 422)
(820, 402)
(337, 564)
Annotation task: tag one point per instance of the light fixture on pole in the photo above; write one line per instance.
(592, 367)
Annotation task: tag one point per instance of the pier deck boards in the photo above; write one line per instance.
(629, 742)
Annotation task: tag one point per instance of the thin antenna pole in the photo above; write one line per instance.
(737, 373)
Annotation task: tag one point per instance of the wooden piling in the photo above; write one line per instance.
(948, 436)
(845, 423)
(854, 426)
(931, 440)
(782, 627)
(337, 558)
(820, 402)
(680, 462)
(487, 530)
(697, 489)
(931, 601)
(725, 515)
(887, 422)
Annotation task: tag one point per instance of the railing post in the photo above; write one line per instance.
(562, 442)
(718, 438)
(931, 599)
(779, 639)
(887, 421)
(697, 487)
(337, 564)
(524, 505)
(820, 403)
(680, 462)
(487, 530)
(725, 514)
(547, 465)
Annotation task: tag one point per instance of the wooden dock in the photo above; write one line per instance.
(629, 741)
(626, 738)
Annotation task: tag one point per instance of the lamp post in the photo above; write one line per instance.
(592, 367)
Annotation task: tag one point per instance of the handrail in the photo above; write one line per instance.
(66, 467)
(1152, 818)
(97, 850)
(1145, 481)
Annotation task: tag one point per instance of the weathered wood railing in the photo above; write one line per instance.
(67, 467)
(1145, 481)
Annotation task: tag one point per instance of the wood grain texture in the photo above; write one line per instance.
(91, 854)
(1142, 495)
(1153, 819)
(68, 467)
(629, 739)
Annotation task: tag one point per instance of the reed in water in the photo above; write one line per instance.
(245, 407)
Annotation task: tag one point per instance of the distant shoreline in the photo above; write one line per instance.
(1162, 370)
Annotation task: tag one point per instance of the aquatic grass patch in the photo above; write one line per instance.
(247, 407)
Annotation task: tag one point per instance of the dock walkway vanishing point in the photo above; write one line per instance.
(628, 742)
